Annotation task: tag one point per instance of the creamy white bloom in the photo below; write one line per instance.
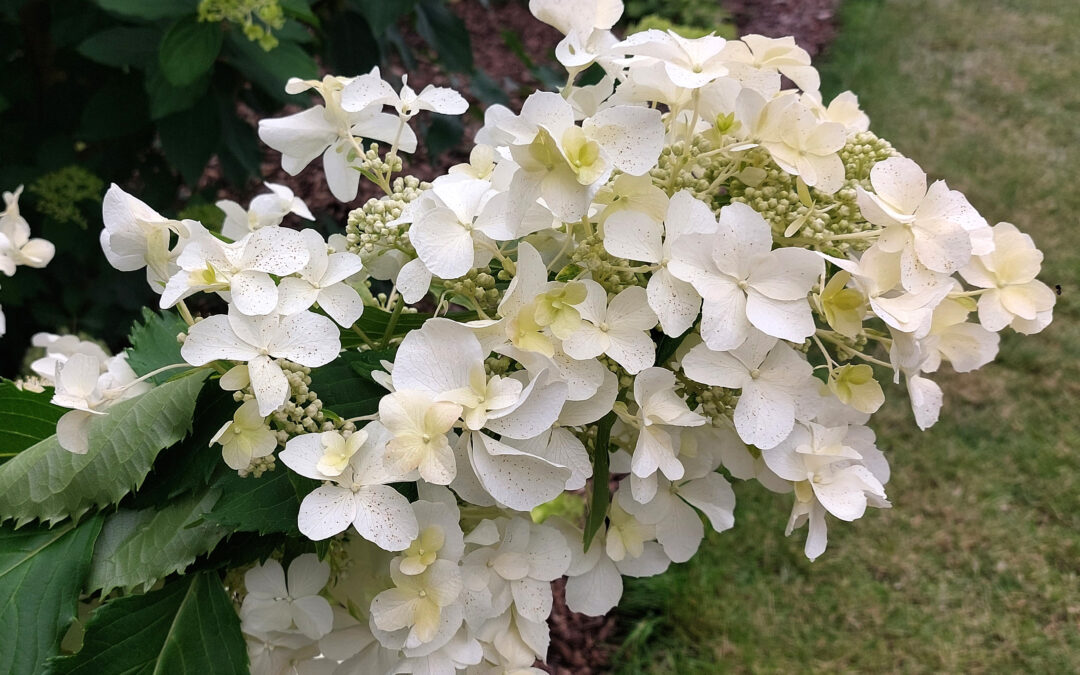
(245, 437)
(776, 382)
(242, 269)
(16, 246)
(89, 387)
(265, 210)
(756, 53)
(633, 234)
(305, 338)
(619, 329)
(419, 603)
(744, 283)
(371, 90)
(688, 63)
(358, 493)
(272, 604)
(1014, 297)
(58, 349)
(322, 281)
(935, 230)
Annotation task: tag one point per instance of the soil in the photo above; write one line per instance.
(580, 645)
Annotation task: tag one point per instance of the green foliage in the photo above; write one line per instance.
(26, 417)
(207, 214)
(47, 483)
(188, 627)
(41, 575)
(601, 479)
(269, 503)
(137, 548)
(60, 191)
(446, 33)
(679, 15)
(154, 344)
(188, 50)
(256, 18)
(345, 386)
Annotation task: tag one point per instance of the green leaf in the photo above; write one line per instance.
(189, 138)
(374, 323)
(122, 46)
(300, 9)
(271, 70)
(41, 575)
(382, 15)
(345, 386)
(443, 133)
(154, 345)
(265, 504)
(189, 50)
(445, 32)
(26, 417)
(137, 548)
(49, 483)
(350, 42)
(601, 478)
(150, 10)
(188, 627)
(166, 98)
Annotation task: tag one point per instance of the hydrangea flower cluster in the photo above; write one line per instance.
(682, 272)
(16, 246)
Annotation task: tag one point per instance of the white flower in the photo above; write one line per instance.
(835, 469)
(245, 437)
(84, 386)
(322, 281)
(757, 52)
(419, 602)
(935, 230)
(271, 604)
(136, 236)
(265, 210)
(800, 143)
(440, 536)
(358, 494)
(586, 25)
(494, 471)
(744, 283)
(328, 130)
(1014, 297)
(690, 64)
(671, 510)
(619, 329)
(242, 268)
(419, 425)
(305, 338)
(370, 90)
(16, 246)
(58, 349)
(660, 413)
(635, 235)
(776, 382)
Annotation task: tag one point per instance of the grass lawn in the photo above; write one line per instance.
(977, 566)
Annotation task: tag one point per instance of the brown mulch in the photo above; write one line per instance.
(580, 645)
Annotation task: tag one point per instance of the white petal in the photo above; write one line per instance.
(681, 533)
(326, 511)
(269, 384)
(342, 303)
(443, 243)
(763, 419)
(633, 235)
(713, 496)
(213, 338)
(253, 293)
(341, 178)
(295, 295)
(597, 591)
(302, 454)
(519, 481)
(306, 338)
(384, 516)
(437, 358)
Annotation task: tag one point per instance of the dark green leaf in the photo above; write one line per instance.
(189, 627)
(351, 44)
(345, 386)
(667, 346)
(601, 489)
(240, 153)
(166, 99)
(154, 345)
(265, 504)
(443, 133)
(271, 70)
(487, 89)
(189, 50)
(122, 46)
(137, 548)
(374, 323)
(115, 110)
(300, 9)
(26, 417)
(381, 14)
(445, 32)
(49, 483)
(150, 10)
(41, 575)
(189, 138)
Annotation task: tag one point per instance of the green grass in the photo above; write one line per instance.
(977, 566)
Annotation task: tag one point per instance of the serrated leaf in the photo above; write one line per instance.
(26, 417)
(265, 504)
(189, 50)
(601, 488)
(49, 483)
(154, 344)
(188, 627)
(445, 32)
(137, 548)
(122, 46)
(345, 386)
(41, 575)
